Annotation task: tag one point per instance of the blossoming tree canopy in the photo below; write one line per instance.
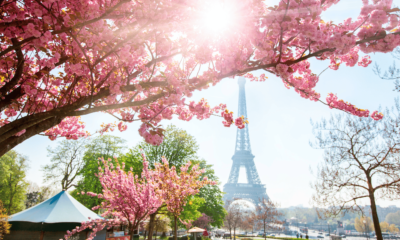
(129, 199)
(126, 198)
(174, 188)
(141, 60)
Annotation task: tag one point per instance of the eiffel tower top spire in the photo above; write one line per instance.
(242, 135)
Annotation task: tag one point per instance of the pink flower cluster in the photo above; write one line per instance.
(188, 223)
(20, 133)
(106, 127)
(70, 128)
(201, 109)
(203, 221)
(151, 135)
(94, 225)
(365, 61)
(240, 122)
(300, 77)
(122, 126)
(251, 77)
(376, 115)
(112, 63)
(333, 102)
(228, 118)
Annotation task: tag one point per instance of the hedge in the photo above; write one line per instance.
(179, 238)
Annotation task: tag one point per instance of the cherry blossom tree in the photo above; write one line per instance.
(126, 199)
(203, 221)
(174, 189)
(129, 199)
(141, 60)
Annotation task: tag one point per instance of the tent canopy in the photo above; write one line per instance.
(196, 230)
(60, 212)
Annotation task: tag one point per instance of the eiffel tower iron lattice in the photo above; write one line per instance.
(253, 190)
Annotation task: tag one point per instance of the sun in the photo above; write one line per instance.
(216, 17)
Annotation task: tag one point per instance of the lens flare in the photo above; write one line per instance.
(217, 17)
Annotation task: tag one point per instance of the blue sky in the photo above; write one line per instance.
(280, 128)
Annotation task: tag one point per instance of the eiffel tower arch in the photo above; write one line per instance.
(253, 190)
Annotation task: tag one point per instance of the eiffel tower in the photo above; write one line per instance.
(253, 190)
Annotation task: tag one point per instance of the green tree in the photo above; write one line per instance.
(12, 181)
(191, 210)
(178, 147)
(213, 205)
(105, 146)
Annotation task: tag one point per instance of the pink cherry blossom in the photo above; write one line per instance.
(63, 59)
(365, 61)
(70, 128)
(376, 116)
(333, 102)
(122, 127)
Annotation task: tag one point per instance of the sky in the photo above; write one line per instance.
(280, 129)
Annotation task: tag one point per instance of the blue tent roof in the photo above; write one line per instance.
(62, 208)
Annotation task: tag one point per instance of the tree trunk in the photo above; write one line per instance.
(234, 233)
(230, 233)
(176, 230)
(265, 234)
(145, 235)
(11, 197)
(131, 231)
(375, 218)
(151, 225)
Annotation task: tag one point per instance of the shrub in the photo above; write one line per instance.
(4, 225)
(178, 238)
